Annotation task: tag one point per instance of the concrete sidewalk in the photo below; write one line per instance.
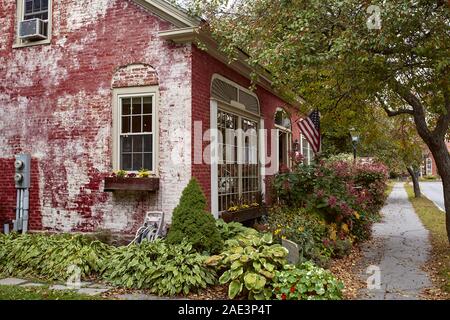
(399, 249)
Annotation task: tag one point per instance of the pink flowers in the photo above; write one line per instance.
(332, 201)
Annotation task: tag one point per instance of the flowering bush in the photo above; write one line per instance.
(347, 195)
(306, 282)
(306, 229)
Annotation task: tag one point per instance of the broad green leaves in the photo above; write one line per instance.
(249, 260)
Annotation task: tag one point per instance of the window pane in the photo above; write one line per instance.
(147, 121)
(37, 5)
(148, 161)
(137, 143)
(125, 143)
(125, 162)
(137, 161)
(126, 124)
(44, 4)
(137, 105)
(148, 143)
(126, 106)
(147, 105)
(136, 125)
(28, 6)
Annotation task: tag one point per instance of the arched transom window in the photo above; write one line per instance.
(224, 90)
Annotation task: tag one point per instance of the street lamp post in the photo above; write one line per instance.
(355, 140)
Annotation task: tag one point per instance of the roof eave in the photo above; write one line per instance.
(240, 65)
(169, 13)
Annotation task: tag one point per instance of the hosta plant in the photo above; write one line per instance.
(231, 229)
(51, 257)
(306, 282)
(164, 269)
(250, 261)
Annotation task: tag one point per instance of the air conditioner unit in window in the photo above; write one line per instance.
(33, 29)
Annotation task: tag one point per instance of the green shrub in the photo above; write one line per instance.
(50, 256)
(231, 229)
(249, 261)
(308, 230)
(342, 247)
(192, 222)
(162, 268)
(306, 282)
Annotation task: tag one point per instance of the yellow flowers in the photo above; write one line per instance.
(301, 229)
(356, 214)
(283, 237)
(344, 227)
(276, 232)
(143, 173)
(333, 231)
(333, 235)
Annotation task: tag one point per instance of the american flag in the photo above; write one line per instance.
(310, 127)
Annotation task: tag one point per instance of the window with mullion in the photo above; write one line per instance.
(238, 168)
(35, 9)
(136, 133)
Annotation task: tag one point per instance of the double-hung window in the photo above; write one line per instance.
(36, 9)
(40, 10)
(136, 132)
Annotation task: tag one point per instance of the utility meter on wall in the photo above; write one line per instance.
(22, 167)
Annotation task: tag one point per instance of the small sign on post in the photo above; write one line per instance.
(293, 256)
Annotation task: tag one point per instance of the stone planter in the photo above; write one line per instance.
(131, 184)
(243, 214)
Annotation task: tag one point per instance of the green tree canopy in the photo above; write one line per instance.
(338, 56)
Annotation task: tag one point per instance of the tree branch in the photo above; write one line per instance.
(418, 111)
(393, 113)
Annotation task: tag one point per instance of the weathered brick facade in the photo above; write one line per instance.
(203, 68)
(56, 104)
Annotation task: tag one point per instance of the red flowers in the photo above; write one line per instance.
(283, 296)
(292, 289)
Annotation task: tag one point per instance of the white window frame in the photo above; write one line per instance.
(308, 148)
(130, 92)
(240, 114)
(288, 132)
(20, 13)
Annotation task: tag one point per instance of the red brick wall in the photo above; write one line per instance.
(203, 68)
(55, 103)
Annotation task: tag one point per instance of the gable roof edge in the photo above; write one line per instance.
(170, 13)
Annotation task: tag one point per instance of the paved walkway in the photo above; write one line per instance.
(399, 249)
(88, 288)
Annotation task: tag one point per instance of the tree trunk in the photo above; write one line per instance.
(415, 180)
(442, 158)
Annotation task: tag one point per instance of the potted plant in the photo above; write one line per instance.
(144, 180)
(242, 211)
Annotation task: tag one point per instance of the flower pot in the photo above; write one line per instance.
(243, 214)
(131, 184)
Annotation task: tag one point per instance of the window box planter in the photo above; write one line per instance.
(131, 184)
(244, 215)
